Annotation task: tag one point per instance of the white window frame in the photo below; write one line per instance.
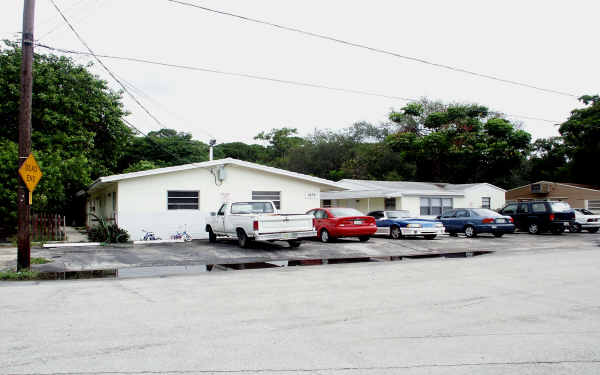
(489, 202)
(185, 204)
(267, 195)
(429, 207)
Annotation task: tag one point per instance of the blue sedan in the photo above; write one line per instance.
(399, 224)
(472, 221)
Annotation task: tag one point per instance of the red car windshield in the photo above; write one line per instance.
(345, 212)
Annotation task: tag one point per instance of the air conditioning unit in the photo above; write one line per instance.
(539, 188)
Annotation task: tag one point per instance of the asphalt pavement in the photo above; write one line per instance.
(513, 312)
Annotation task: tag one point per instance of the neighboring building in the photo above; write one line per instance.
(420, 198)
(166, 200)
(578, 196)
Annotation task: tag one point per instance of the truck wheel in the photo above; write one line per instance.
(395, 233)
(364, 238)
(243, 239)
(533, 228)
(324, 236)
(294, 243)
(212, 237)
(575, 228)
(470, 231)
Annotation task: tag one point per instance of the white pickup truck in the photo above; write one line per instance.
(258, 220)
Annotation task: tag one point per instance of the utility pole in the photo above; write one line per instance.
(23, 237)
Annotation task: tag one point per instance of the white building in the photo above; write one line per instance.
(420, 198)
(166, 200)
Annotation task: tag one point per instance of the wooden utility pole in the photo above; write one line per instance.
(23, 237)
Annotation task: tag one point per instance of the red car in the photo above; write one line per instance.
(342, 222)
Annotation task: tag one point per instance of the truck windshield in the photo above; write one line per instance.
(560, 207)
(397, 214)
(252, 208)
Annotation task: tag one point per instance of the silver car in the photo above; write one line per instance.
(585, 220)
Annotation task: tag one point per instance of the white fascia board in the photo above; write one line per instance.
(486, 184)
(359, 194)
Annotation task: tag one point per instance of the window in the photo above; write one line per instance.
(523, 208)
(536, 188)
(182, 200)
(594, 205)
(449, 213)
(326, 203)
(221, 210)
(486, 202)
(510, 209)
(560, 207)
(345, 212)
(274, 196)
(538, 207)
(320, 214)
(435, 206)
(251, 208)
(389, 203)
(462, 213)
(376, 214)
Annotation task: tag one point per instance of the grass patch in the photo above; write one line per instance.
(40, 261)
(11, 275)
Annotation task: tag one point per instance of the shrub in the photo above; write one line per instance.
(107, 233)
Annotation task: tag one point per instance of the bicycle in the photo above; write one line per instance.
(149, 236)
(182, 235)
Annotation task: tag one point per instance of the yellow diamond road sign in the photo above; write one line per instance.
(30, 172)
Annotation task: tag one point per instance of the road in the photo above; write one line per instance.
(503, 313)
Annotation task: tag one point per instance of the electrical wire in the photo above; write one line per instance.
(372, 49)
(257, 77)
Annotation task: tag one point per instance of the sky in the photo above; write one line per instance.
(549, 44)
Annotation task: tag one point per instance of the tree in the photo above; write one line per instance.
(77, 130)
(581, 134)
(280, 142)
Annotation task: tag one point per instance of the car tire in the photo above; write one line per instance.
(593, 230)
(294, 244)
(575, 228)
(498, 235)
(533, 228)
(558, 230)
(364, 238)
(243, 239)
(430, 236)
(212, 237)
(470, 231)
(395, 232)
(324, 236)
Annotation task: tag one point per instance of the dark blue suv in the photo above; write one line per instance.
(541, 216)
(472, 221)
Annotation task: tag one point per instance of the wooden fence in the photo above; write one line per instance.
(48, 227)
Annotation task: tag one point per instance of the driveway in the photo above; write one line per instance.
(227, 252)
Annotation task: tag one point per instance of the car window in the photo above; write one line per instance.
(485, 212)
(344, 212)
(221, 211)
(523, 208)
(397, 214)
(538, 207)
(252, 208)
(321, 214)
(462, 213)
(376, 214)
(585, 212)
(449, 213)
(510, 209)
(560, 206)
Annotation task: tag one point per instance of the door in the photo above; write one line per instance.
(521, 218)
(220, 219)
(511, 210)
(448, 220)
(320, 219)
(460, 220)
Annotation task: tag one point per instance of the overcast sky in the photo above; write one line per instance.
(551, 44)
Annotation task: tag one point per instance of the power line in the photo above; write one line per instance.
(373, 49)
(91, 52)
(235, 74)
(257, 77)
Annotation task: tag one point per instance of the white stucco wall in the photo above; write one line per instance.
(473, 197)
(142, 201)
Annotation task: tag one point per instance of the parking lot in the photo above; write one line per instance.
(227, 252)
